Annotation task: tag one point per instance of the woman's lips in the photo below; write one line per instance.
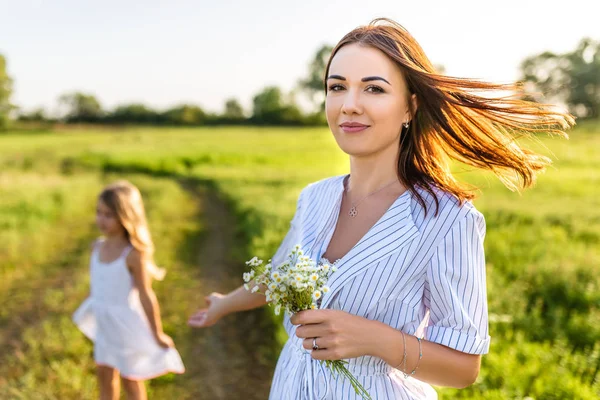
(353, 127)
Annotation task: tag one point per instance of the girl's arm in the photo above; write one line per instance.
(143, 282)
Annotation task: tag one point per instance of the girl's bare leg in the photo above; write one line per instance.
(108, 381)
(136, 390)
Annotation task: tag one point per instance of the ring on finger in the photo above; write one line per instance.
(315, 345)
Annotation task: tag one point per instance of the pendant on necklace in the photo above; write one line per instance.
(353, 213)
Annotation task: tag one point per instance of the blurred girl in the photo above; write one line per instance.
(121, 316)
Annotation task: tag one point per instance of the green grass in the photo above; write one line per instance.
(542, 246)
(51, 359)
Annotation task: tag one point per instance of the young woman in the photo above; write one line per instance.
(407, 307)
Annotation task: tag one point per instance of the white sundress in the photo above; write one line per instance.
(114, 319)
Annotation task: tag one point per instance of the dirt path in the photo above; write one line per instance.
(234, 359)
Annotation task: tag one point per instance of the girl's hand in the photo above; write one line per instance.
(339, 334)
(210, 315)
(164, 340)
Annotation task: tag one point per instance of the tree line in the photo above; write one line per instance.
(271, 106)
(571, 79)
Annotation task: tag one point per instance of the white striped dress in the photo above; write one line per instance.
(422, 274)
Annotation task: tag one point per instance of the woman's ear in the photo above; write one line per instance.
(414, 104)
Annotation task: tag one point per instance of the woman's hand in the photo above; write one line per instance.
(164, 340)
(210, 315)
(338, 334)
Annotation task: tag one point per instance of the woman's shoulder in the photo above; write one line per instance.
(442, 206)
(323, 187)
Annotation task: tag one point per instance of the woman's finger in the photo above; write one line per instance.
(322, 342)
(310, 331)
(198, 319)
(309, 317)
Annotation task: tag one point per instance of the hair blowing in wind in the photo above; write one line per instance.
(468, 120)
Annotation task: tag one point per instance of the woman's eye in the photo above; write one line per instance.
(374, 89)
(336, 87)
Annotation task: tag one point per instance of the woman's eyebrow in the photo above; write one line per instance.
(365, 79)
(374, 78)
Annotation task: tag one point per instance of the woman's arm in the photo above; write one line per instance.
(220, 305)
(143, 282)
(342, 335)
(440, 365)
(242, 300)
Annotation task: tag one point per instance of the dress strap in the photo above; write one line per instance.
(126, 251)
(97, 244)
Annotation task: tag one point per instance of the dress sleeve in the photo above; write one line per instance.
(456, 289)
(291, 238)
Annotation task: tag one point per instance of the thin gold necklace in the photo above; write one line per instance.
(353, 211)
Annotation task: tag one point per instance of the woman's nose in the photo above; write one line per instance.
(352, 103)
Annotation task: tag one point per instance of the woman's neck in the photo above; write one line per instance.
(368, 174)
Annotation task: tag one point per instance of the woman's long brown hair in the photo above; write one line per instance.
(468, 120)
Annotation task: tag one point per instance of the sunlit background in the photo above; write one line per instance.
(214, 110)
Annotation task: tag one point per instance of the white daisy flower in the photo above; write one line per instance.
(325, 289)
(317, 295)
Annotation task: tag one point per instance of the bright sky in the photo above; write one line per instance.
(163, 53)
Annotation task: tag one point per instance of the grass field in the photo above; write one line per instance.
(542, 247)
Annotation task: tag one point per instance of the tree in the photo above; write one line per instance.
(133, 113)
(267, 105)
(233, 110)
(185, 114)
(81, 107)
(440, 69)
(571, 78)
(5, 93)
(271, 106)
(314, 85)
(36, 115)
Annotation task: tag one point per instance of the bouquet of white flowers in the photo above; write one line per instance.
(296, 285)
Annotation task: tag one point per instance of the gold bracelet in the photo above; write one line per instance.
(419, 360)
(403, 358)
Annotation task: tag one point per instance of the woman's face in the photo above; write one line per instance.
(367, 100)
(107, 220)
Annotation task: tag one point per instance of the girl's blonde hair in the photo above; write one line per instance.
(125, 200)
